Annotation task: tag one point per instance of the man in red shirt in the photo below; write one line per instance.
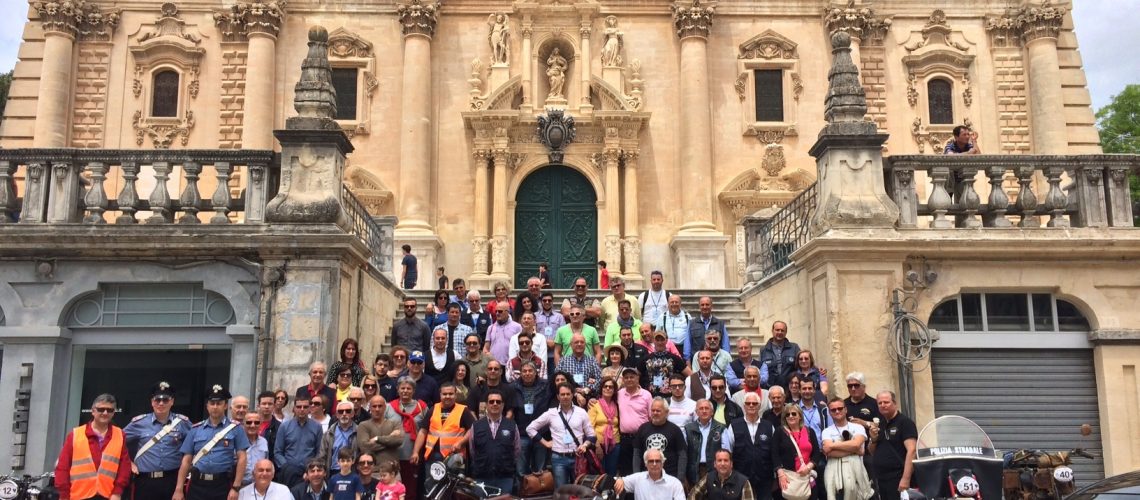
(94, 462)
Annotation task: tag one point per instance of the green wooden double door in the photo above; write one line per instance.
(556, 221)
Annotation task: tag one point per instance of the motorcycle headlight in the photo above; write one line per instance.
(967, 486)
(9, 489)
(1063, 474)
(437, 471)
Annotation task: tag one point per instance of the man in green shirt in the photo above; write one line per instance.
(578, 326)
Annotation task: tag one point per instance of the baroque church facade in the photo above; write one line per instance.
(739, 144)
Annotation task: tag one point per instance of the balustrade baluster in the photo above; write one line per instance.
(96, 198)
(35, 193)
(1119, 197)
(1026, 199)
(8, 207)
(905, 196)
(1055, 200)
(256, 193)
(129, 195)
(939, 201)
(190, 197)
(968, 200)
(998, 202)
(1088, 195)
(160, 196)
(221, 198)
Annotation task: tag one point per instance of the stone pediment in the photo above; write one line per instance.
(768, 45)
(937, 48)
(167, 40)
(344, 43)
(752, 190)
(368, 189)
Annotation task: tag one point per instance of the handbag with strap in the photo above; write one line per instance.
(584, 463)
(799, 486)
(537, 484)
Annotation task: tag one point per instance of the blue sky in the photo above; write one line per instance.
(1106, 30)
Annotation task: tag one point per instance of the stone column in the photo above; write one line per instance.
(849, 154)
(479, 242)
(418, 20)
(631, 243)
(699, 249)
(584, 63)
(527, 90)
(613, 211)
(62, 23)
(500, 157)
(263, 21)
(1039, 30)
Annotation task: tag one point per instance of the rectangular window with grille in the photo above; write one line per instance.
(769, 95)
(344, 81)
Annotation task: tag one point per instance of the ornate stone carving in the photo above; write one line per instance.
(480, 249)
(741, 85)
(162, 131)
(845, 108)
(499, 38)
(631, 247)
(476, 83)
(797, 86)
(77, 18)
(418, 17)
(345, 44)
(263, 17)
(167, 42)
(937, 48)
(692, 19)
(556, 131)
(912, 89)
(613, 250)
(967, 91)
(859, 22)
(313, 96)
(556, 71)
(768, 45)
(937, 139)
(612, 47)
(774, 160)
(499, 252)
(1030, 22)
(368, 189)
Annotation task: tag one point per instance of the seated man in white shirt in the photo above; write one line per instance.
(263, 487)
(653, 483)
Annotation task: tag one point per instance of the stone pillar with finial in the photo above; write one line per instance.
(849, 154)
(313, 146)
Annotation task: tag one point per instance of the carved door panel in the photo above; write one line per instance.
(556, 221)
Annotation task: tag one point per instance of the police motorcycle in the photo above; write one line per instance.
(27, 487)
(1039, 475)
(954, 458)
(446, 481)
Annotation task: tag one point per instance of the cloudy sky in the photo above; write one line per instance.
(1106, 30)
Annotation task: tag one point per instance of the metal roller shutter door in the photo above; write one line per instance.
(1031, 398)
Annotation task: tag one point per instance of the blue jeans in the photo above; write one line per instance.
(532, 455)
(563, 469)
(610, 461)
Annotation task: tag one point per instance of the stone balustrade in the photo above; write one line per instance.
(1017, 190)
(772, 239)
(92, 185)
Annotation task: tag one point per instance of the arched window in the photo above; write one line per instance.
(150, 305)
(164, 102)
(940, 94)
(1007, 313)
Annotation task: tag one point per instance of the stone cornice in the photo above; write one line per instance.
(861, 23)
(418, 18)
(692, 19)
(260, 17)
(77, 19)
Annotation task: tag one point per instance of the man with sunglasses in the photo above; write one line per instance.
(297, 442)
(494, 444)
(842, 445)
(590, 306)
(213, 455)
(410, 331)
(258, 448)
(94, 462)
(340, 435)
(156, 461)
(752, 442)
(576, 327)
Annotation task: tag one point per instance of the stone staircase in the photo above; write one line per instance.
(726, 305)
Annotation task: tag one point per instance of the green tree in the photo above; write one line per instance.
(1119, 126)
(5, 84)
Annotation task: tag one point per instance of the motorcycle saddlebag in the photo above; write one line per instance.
(537, 484)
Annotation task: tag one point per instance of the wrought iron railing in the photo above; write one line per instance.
(365, 228)
(787, 230)
(67, 185)
(1004, 191)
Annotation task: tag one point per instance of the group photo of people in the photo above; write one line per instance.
(528, 392)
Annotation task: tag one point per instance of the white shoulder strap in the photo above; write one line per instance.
(210, 445)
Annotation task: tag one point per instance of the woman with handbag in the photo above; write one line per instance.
(604, 416)
(800, 453)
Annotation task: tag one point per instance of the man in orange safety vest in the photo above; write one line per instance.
(94, 462)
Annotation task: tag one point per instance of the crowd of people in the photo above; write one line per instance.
(633, 386)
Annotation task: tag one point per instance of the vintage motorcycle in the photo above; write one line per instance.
(1039, 475)
(446, 481)
(28, 487)
(954, 458)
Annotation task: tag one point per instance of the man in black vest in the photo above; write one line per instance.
(753, 444)
(700, 325)
(703, 438)
(495, 446)
(778, 358)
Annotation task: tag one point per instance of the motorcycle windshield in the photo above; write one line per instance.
(954, 435)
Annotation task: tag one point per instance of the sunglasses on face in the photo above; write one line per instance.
(836, 410)
(476, 344)
(363, 463)
(162, 399)
(102, 410)
(493, 368)
(253, 423)
(494, 402)
(751, 403)
(299, 407)
(524, 342)
(854, 386)
(717, 387)
(369, 386)
(318, 403)
(344, 412)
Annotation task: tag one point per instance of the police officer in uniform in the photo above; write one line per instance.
(211, 454)
(155, 441)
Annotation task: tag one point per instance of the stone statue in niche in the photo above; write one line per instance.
(500, 38)
(556, 72)
(611, 50)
